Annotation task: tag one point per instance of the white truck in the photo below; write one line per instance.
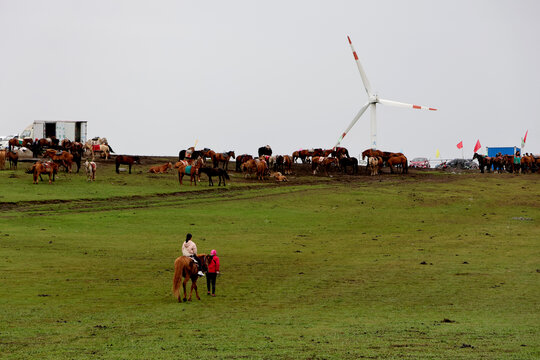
(72, 130)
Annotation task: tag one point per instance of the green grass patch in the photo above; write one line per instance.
(419, 267)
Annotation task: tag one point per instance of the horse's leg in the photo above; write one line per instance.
(130, 168)
(184, 286)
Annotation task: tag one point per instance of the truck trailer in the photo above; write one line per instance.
(61, 129)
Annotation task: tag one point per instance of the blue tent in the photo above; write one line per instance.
(508, 150)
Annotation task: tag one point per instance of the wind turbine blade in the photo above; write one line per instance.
(405, 105)
(365, 80)
(362, 111)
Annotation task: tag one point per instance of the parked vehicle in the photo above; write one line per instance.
(420, 163)
(463, 164)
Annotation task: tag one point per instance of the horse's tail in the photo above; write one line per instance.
(226, 176)
(110, 149)
(177, 278)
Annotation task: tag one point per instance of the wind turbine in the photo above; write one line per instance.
(373, 100)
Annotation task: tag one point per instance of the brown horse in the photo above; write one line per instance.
(321, 162)
(305, 155)
(257, 166)
(186, 269)
(527, 163)
(49, 167)
(126, 160)
(2, 159)
(287, 164)
(371, 153)
(249, 167)
(160, 169)
(224, 158)
(13, 159)
(64, 158)
(65, 144)
(240, 159)
(13, 142)
(328, 152)
(192, 170)
(398, 160)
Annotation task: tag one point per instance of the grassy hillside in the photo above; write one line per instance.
(424, 266)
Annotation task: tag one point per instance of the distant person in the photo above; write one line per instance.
(517, 162)
(213, 271)
(189, 249)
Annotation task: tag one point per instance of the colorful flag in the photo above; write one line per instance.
(437, 154)
(525, 138)
(460, 145)
(477, 146)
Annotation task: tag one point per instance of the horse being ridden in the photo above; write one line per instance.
(186, 269)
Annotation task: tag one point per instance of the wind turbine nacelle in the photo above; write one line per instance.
(373, 99)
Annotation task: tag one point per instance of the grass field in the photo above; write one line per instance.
(426, 266)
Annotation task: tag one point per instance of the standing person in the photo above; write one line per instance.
(213, 271)
(517, 162)
(189, 249)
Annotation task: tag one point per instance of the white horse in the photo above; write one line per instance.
(90, 170)
(373, 165)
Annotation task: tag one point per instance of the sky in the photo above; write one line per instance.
(154, 77)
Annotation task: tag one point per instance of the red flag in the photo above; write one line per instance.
(477, 146)
(525, 138)
(460, 145)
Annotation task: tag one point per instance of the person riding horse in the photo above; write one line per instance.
(189, 249)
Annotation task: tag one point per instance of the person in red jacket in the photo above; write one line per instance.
(213, 271)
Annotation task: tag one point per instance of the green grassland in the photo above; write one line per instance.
(425, 266)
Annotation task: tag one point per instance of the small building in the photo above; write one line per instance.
(61, 129)
(508, 150)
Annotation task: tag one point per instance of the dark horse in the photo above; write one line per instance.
(265, 150)
(184, 267)
(126, 160)
(483, 161)
(349, 161)
(221, 173)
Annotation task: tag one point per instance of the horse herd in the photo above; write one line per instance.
(193, 162)
(500, 163)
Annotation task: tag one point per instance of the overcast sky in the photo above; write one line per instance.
(155, 76)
